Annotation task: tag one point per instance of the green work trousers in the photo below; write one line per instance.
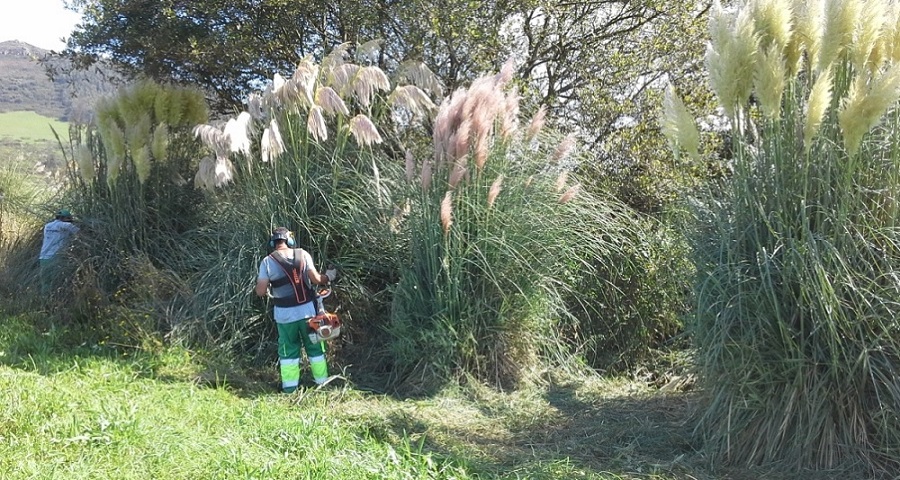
(291, 338)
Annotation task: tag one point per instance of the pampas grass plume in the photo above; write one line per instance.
(457, 173)
(773, 22)
(561, 180)
(223, 172)
(271, 144)
(494, 191)
(85, 159)
(537, 123)
(678, 125)
(369, 51)
(330, 101)
(205, 177)
(426, 175)
(342, 76)
(410, 165)
(570, 193)
(255, 106)
(140, 157)
(865, 49)
(413, 99)
(421, 76)
(364, 131)
(565, 148)
(892, 33)
(315, 124)
(160, 142)
(841, 18)
(447, 212)
(770, 80)
(114, 141)
(863, 108)
(819, 101)
(369, 80)
(236, 133)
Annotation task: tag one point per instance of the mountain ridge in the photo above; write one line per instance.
(26, 86)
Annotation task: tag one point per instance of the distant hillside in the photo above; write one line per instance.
(25, 86)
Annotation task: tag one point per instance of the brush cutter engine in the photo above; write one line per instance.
(326, 326)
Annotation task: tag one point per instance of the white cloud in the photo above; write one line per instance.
(38, 22)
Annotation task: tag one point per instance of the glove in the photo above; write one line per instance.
(331, 273)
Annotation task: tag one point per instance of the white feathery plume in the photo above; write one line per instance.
(565, 148)
(817, 105)
(205, 177)
(342, 76)
(140, 158)
(330, 101)
(277, 83)
(305, 76)
(841, 19)
(506, 73)
(773, 22)
(410, 164)
(537, 123)
(271, 145)
(223, 172)
(865, 48)
(159, 144)
(369, 51)
(678, 125)
(85, 160)
(413, 99)
(769, 77)
(255, 106)
(364, 131)
(236, 130)
(315, 124)
(367, 82)
(418, 74)
(336, 57)
(213, 138)
(865, 105)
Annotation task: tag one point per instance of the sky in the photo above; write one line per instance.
(38, 22)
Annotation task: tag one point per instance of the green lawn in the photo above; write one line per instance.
(77, 410)
(30, 127)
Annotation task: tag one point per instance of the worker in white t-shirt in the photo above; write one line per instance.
(57, 234)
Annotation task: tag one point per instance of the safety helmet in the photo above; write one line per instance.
(281, 233)
(64, 215)
(326, 325)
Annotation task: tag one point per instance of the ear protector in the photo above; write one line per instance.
(282, 233)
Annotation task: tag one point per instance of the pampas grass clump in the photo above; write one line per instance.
(494, 246)
(797, 292)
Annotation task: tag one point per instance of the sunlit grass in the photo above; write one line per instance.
(30, 127)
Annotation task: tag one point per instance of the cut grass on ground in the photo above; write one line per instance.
(31, 127)
(74, 409)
